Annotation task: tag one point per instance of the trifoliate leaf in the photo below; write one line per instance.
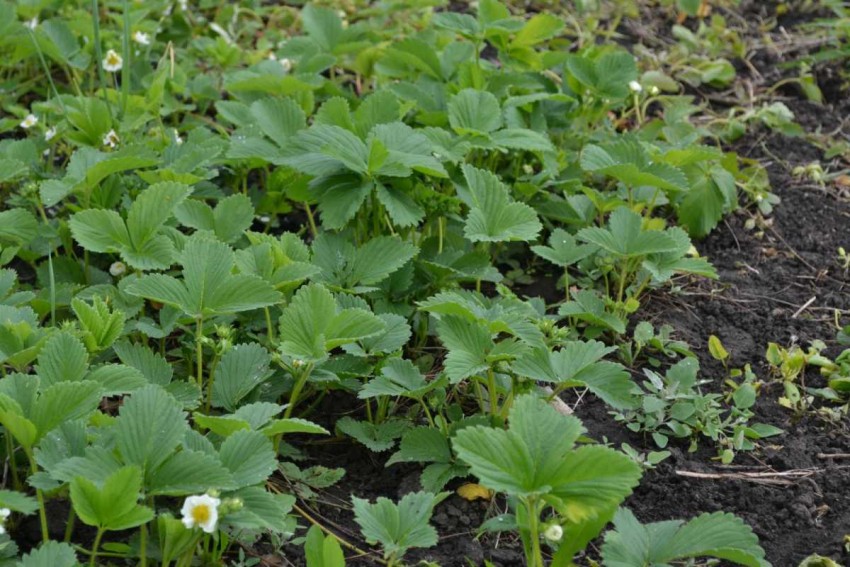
(398, 527)
(494, 216)
(377, 437)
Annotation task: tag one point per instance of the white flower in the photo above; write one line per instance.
(297, 363)
(111, 139)
(201, 511)
(117, 269)
(265, 219)
(554, 533)
(184, 5)
(30, 121)
(528, 168)
(286, 63)
(51, 132)
(32, 24)
(4, 514)
(112, 62)
(141, 38)
(635, 87)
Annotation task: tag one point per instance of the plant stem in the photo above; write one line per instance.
(98, 52)
(623, 273)
(269, 326)
(95, 546)
(69, 527)
(125, 70)
(296, 390)
(491, 392)
(42, 511)
(199, 348)
(10, 449)
(143, 545)
(536, 559)
(310, 219)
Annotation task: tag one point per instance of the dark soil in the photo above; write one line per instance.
(763, 283)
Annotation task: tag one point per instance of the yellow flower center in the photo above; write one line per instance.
(112, 59)
(201, 513)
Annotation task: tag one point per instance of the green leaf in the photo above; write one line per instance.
(17, 226)
(398, 527)
(65, 401)
(279, 118)
(468, 345)
(114, 506)
(536, 456)
(229, 220)
(240, 370)
(422, 445)
(321, 550)
(563, 250)
(138, 240)
(627, 161)
(396, 334)
(474, 112)
(63, 358)
(377, 437)
(312, 324)
(150, 425)
(493, 216)
(50, 554)
(579, 363)
(18, 502)
(625, 237)
(151, 364)
(189, 472)
(538, 29)
(249, 456)
(323, 149)
(399, 377)
(208, 286)
(262, 511)
(718, 535)
(380, 107)
(322, 25)
(292, 425)
(151, 209)
(379, 258)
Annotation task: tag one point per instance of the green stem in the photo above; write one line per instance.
(623, 273)
(296, 390)
(42, 510)
(69, 526)
(199, 351)
(125, 70)
(10, 449)
(269, 326)
(492, 393)
(311, 220)
(92, 561)
(428, 415)
(143, 545)
(98, 52)
(536, 559)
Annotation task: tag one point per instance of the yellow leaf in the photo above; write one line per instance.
(473, 492)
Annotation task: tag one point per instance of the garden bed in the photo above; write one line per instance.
(350, 266)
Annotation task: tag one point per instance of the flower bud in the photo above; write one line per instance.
(635, 87)
(117, 269)
(554, 533)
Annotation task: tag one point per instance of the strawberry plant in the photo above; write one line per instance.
(248, 249)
